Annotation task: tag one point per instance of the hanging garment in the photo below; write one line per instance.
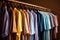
(52, 20)
(48, 25)
(10, 10)
(26, 30)
(5, 30)
(32, 29)
(40, 21)
(56, 23)
(25, 23)
(52, 34)
(56, 26)
(3, 23)
(52, 25)
(14, 25)
(14, 22)
(18, 23)
(28, 23)
(35, 25)
(27, 17)
(31, 22)
(54, 29)
(47, 19)
(40, 25)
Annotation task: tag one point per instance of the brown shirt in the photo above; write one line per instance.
(11, 33)
(26, 29)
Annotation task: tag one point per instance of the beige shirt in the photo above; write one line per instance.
(26, 29)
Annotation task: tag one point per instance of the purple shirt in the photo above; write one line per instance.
(35, 24)
(5, 24)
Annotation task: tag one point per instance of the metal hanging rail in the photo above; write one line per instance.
(39, 7)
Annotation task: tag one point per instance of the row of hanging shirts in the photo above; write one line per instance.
(27, 24)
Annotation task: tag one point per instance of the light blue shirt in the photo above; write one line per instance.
(31, 18)
(46, 20)
(47, 24)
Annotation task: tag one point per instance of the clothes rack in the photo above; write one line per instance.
(31, 5)
(18, 23)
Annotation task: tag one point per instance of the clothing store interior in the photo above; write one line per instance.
(29, 20)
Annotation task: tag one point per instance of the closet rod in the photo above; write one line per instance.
(40, 7)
